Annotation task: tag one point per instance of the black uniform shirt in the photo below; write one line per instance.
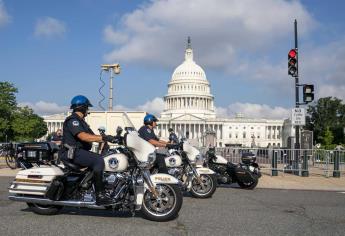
(72, 126)
(146, 133)
(173, 138)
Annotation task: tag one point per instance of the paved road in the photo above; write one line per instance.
(231, 211)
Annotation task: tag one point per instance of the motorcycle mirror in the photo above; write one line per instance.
(119, 130)
(101, 129)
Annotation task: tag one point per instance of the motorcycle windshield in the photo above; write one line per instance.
(191, 151)
(140, 147)
(128, 123)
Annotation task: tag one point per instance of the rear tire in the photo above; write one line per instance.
(172, 193)
(211, 180)
(44, 209)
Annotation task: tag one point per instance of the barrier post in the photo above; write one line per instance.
(336, 172)
(305, 171)
(274, 163)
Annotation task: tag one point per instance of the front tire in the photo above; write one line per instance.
(11, 161)
(44, 209)
(166, 207)
(250, 185)
(210, 185)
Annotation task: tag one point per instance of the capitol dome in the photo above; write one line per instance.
(189, 91)
(189, 69)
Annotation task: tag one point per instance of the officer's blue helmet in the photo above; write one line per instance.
(149, 119)
(79, 101)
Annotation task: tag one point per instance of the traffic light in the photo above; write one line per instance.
(292, 63)
(308, 93)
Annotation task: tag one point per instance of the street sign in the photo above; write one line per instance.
(298, 116)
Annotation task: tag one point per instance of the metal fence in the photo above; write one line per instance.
(303, 162)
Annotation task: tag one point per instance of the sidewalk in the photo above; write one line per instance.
(285, 181)
(288, 181)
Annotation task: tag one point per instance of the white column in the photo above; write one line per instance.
(193, 130)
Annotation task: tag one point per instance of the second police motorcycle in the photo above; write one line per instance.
(182, 163)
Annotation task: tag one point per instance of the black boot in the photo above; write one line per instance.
(101, 197)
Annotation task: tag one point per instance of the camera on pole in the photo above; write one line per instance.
(308, 93)
(292, 63)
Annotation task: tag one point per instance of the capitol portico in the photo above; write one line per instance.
(189, 108)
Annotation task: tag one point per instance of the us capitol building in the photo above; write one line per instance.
(189, 109)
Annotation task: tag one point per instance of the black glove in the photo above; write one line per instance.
(172, 146)
(108, 138)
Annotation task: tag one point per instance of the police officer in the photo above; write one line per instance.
(57, 137)
(172, 136)
(146, 132)
(78, 136)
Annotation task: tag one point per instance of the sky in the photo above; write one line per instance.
(52, 50)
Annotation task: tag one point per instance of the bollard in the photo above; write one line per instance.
(305, 171)
(296, 166)
(336, 172)
(274, 163)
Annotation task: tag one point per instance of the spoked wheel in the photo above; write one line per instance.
(206, 189)
(44, 209)
(164, 207)
(251, 184)
(11, 161)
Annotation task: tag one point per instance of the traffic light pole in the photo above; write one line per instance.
(297, 144)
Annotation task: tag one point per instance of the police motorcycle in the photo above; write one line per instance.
(196, 179)
(47, 189)
(246, 174)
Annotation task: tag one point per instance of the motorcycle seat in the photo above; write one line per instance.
(71, 165)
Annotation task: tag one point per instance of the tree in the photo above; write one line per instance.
(327, 114)
(27, 126)
(328, 138)
(8, 105)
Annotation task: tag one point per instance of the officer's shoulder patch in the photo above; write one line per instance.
(75, 123)
(148, 130)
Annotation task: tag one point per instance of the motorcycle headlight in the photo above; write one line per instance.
(198, 157)
(151, 158)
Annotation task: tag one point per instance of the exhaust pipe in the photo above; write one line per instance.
(45, 201)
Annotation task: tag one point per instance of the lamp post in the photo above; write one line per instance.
(114, 69)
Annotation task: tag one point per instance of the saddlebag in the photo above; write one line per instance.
(244, 175)
(55, 190)
(35, 181)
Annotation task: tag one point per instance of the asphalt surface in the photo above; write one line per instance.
(231, 211)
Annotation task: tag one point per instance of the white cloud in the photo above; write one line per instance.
(4, 16)
(331, 91)
(155, 32)
(45, 108)
(251, 110)
(48, 27)
(324, 66)
(156, 106)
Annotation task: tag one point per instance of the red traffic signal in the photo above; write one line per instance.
(292, 63)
